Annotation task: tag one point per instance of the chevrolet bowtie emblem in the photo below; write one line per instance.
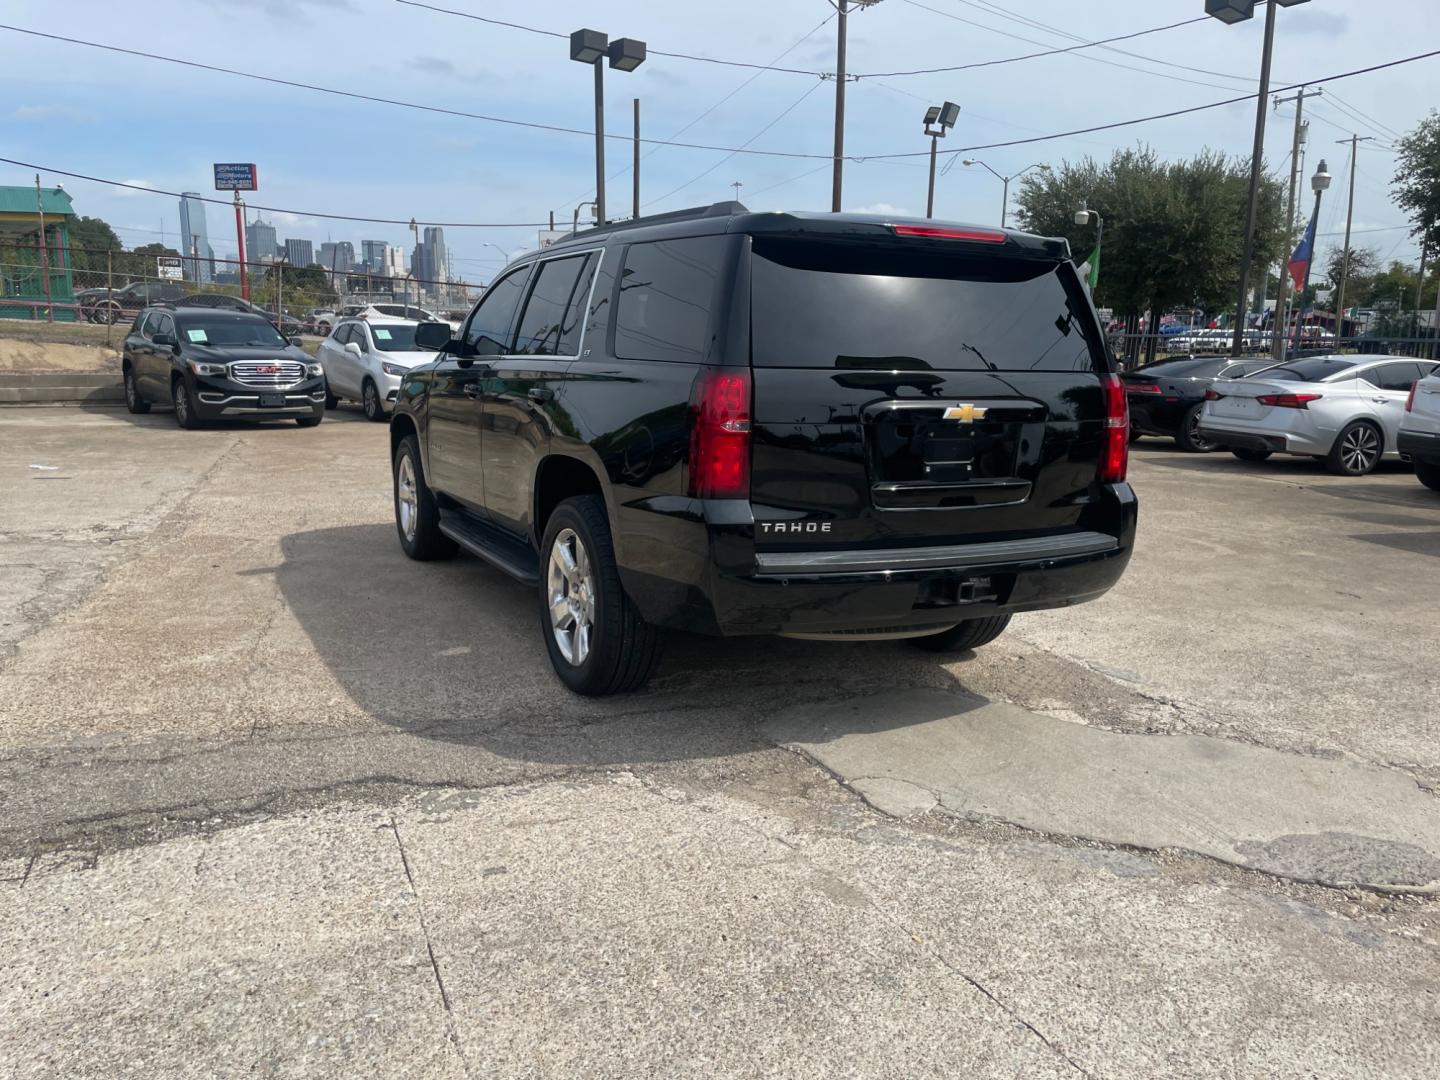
(966, 414)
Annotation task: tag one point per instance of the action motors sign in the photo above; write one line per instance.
(234, 176)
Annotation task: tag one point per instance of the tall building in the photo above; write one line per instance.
(260, 245)
(372, 255)
(195, 239)
(299, 252)
(431, 261)
(394, 264)
(339, 256)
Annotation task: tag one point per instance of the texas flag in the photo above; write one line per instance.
(1300, 258)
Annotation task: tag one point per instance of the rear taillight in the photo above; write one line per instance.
(947, 232)
(1141, 388)
(720, 436)
(1288, 401)
(1410, 398)
(1115, 445)
(1212, 395)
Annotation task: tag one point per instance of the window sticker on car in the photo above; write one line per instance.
(381, 334)
(197, 336)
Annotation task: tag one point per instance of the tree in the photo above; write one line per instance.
(1174, 232)
(1416, 186)
(90, 239)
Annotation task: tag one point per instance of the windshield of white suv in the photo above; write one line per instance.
(395, 337)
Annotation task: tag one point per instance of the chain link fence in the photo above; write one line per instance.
(1132, 349)
(108, 288)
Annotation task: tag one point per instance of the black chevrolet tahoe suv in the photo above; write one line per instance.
(826, 426)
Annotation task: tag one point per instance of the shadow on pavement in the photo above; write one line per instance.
(452, 650)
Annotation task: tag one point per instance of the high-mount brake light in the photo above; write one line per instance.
(945, 232)
(1115, 445)
(720, 436)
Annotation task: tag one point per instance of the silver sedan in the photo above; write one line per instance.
(1344, 410)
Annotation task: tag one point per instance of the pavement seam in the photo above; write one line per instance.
(452, 1031)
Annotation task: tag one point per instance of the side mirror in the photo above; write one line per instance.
(165, 341)
(353, 348)
(296, 342)
(433, 335)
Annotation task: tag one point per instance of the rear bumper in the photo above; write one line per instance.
(1155, 416)
(1421, 446)
(1279, 442)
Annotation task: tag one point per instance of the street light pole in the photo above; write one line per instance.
(1252, 200)
(939, 119)
(1318, 183)
(1278, 332)
(837, 170)
(1005, 183)
(625, 54)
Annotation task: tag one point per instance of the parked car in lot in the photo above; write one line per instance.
(826, 426)
(364, 360)
(289, 325)
(1167, 396)
(1419, 438)
(116, 305)
(320, 321)
(1343, 410)
(214, 365)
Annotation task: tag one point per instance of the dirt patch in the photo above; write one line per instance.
(26, 355)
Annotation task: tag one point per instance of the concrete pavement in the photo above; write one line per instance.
(266, 787)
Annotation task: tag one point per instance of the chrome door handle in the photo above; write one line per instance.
(472, 390)
(1380, 400)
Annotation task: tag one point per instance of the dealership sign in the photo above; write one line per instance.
(232, 176)
(169, 268)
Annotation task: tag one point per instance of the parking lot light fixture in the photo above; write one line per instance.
(625, 54)
(1319, 184)
(939, 119)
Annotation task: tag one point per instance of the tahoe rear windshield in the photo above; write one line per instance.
(903, 307)
(229, 332)
(1312, 369)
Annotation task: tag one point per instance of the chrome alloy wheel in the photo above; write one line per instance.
(407, 501)
(182, 403)
(570, 587)
(1360, 449)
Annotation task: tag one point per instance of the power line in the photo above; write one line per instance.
(648, 49)
(390, 101)
(1385, 129)
(1069, 49)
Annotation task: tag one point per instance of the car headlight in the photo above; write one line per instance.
(393, 369)
(314, 370)
(200, 367)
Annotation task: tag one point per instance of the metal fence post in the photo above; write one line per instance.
(109, 292)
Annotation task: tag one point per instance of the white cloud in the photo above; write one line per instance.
(130, 192)
(51, 112)
(882, 208)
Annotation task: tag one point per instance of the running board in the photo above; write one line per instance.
(496, 547)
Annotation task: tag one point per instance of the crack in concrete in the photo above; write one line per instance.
(451, 1029)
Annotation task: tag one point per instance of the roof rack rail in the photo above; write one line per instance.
(719, 209)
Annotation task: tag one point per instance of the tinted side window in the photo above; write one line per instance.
(1394, 376)
(550, 306)
(166, 325)
(488, 331)
(151, 322)
(666, 293)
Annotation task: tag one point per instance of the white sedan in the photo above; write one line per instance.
(1343, 410)
(365, 359)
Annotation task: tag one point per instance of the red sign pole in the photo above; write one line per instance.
(240, 242)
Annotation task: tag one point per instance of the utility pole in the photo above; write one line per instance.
(634, 165)
(841, 9)
(1354, 140)
(737, 185)
(45, 253)
(1282, 297)
(1252, 203)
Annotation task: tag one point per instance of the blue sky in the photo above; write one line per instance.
(161, 125)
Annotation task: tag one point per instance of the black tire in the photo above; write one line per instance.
(1357, 449)
(323, 329)
(330, 399)
(1248, 453)
(370, 402)
(970, 634)
(1135, 436)
(133, 401)
(1429, 475)
(1188, 438)
(623, 648)
(184, 406)
(426, 541)
(309, 421)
